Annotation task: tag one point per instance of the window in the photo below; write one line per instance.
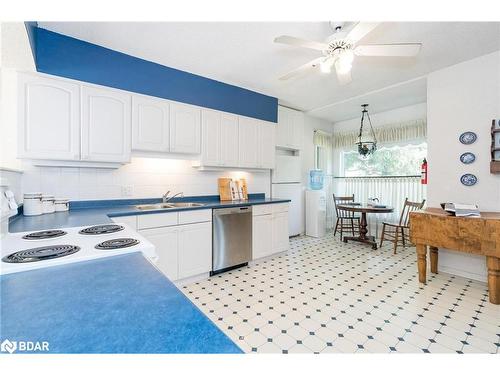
(323, 159)
(386, 161)
(319, 158)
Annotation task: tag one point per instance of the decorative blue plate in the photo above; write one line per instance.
(467, 138)
(468, 179)
(467, 158)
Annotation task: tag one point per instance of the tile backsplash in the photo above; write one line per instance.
(142, 178)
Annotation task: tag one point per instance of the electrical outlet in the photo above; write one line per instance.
(127, 191)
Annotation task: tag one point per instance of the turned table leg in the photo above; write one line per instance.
(433, 252)
(422, 262)
(363, 230)
(493, 265)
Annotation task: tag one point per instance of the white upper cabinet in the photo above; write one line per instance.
(248, 143)
(150, 124)
(185, 129)
(229, 140)
(282, 136)
(219, 144)
(267, 144)
(290, 128)
(48, 118)
(211, 138)
(105, 125)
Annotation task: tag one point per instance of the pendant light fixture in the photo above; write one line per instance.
(367, 143)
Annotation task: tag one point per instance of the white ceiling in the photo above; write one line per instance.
(243, 54)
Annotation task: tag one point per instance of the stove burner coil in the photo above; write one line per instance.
(44, 234)
(117, 243)
(41, 253)
(102, 229)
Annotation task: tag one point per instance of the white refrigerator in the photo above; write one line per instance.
(286, 184)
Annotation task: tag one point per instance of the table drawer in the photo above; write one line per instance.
(157, 220)
(195, 216)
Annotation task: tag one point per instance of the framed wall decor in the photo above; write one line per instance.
(495, 147)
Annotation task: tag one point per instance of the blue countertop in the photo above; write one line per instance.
(83, 213)
(119, 304)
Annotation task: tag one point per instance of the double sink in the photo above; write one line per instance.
(167, 206)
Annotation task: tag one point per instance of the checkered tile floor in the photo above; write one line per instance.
(324, 296)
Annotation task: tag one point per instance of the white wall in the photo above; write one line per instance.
(463, 97)
(144, 177)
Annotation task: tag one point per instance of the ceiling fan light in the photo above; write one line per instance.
(343, 66)
(326, 66)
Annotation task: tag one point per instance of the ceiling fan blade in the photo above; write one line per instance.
(359, 31)
(344, 78)
(302, 69)
(297, 42)
(395, 50)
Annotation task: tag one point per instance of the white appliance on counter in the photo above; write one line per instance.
(31, 250)
(286, 184)
(315, 213)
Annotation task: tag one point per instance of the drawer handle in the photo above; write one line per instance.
(243, 208)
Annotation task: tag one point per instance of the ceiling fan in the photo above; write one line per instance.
(340, 48)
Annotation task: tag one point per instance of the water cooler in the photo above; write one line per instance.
(315, 213)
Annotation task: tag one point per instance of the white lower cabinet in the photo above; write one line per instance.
(280, 231)
(166, 242)
(195, 249)
(183, 250)
(270, 230)
(262, 236)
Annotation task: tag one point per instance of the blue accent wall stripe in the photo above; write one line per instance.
(31, 27)
(68, 57)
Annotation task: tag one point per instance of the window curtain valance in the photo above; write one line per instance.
(400, 132)
(322, 139)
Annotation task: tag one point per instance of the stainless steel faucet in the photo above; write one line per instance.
(166, 198)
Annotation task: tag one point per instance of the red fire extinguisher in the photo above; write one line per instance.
(423, 172)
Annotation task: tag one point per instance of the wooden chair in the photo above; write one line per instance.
(346, 220)
(399, 233)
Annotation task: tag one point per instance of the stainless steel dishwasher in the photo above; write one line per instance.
(232, 238)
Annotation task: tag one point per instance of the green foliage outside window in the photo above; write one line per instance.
(386, 161)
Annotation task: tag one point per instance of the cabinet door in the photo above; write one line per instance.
(150, 124)
(106, 117)
(185, 129)
(296, 129)
(262, 236)
(210, 138)
(48, 118)
(229, 140)
(280, 232)
(282, 132)
(195, 249)
(166, 242)
(248, 143)
(267, 144)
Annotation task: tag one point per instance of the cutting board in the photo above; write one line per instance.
(225, 189)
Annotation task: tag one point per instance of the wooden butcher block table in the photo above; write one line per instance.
(436, 228)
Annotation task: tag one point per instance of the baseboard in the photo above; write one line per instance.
(463, 273)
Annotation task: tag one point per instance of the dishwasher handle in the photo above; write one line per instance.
(232, 210)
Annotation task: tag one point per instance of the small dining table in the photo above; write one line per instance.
(364, 237)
